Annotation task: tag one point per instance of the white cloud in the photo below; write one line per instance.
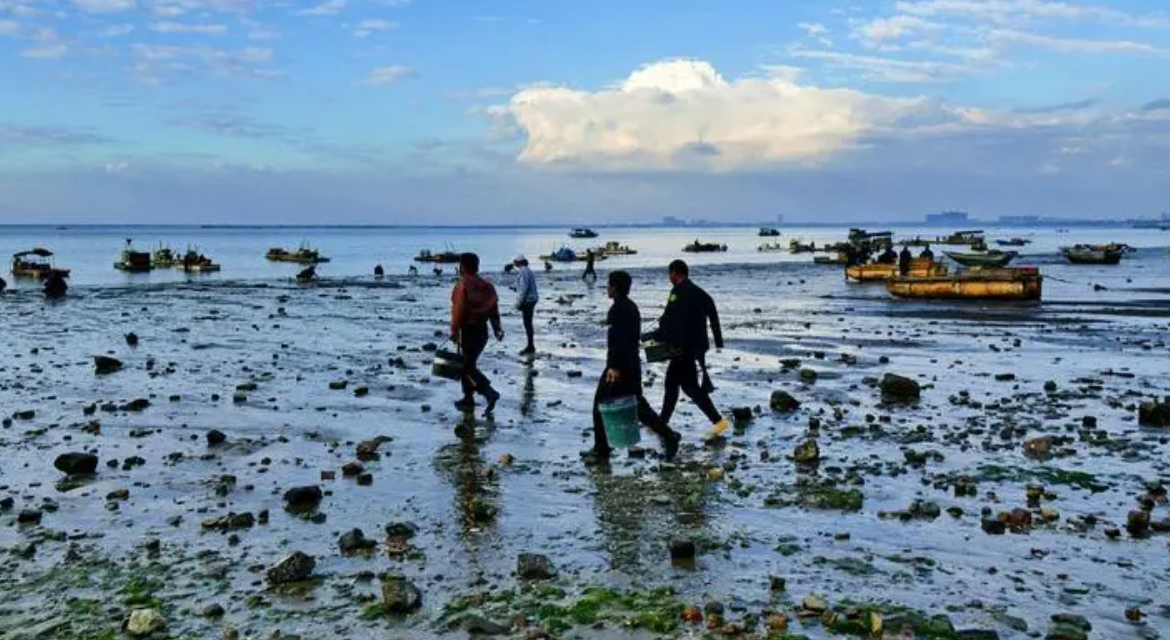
(383, 76)
(328, 8)
(817, 31)
(883, 30)
(105, 6)
(201, 29)
(1014, 11)
(370, 27)
(46, 52)
(9, 27)
(880, 69)
(1071, 45)
(117, 31)
(681, 114)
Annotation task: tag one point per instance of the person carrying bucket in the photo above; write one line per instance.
(619, 403)
(474, 304)
(684, 326)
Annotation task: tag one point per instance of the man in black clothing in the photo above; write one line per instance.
(904, 259)
(684, 327)
(590, 275)
(927, 253)
(623, 371)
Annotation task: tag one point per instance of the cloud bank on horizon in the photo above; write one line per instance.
(459, 111)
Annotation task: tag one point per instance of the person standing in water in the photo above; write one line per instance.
(526, 299)
(590, 275)
(904, 259)
(623, 372)
(684, 327)
(474, 304)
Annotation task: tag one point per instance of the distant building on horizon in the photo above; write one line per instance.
(1019, 221)
(948, 219)
(671, 221)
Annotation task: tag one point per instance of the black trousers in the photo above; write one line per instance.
(646, 415)
(472, 341)
(683, 373)
(528, 310)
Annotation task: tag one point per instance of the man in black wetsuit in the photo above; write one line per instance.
(904, 259)
(684, 327)
(927, 253)
(623, 371)
(590, 275)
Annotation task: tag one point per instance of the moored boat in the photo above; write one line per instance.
(1013, 242)
(705, 247)
(303, 255)
(839, 260)
(582, 233)
(613, 248)
(195, 262)
(880, 272)
(769, 232)
(35, 263)
(988, 260)
(565, 254)
(442, 257)
(770, 247)
(796, 246)
(132, 261)
(163, 258)
(1023, 283)
(974, 238)
(1093, 254)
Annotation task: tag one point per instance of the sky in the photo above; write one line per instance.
(522, 111)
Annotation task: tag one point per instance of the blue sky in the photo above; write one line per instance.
(453, 111)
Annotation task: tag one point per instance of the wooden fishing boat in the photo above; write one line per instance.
(1086, 254)
(195, 262)
(879, 272)
(303, 255)
(705, 247)
(1013, 242)
(565, 254)
(875, 240)
(163, 258)
(769, 232)
(35, 263)
(1024, 283)
(770, 247)
(796, 246)
(612, 248)
(582, 233)
(988, 260)
(964, 238)
(132, 261)
(443, 257)
(839, 261)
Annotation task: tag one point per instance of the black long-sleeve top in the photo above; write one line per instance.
(684, 325)
(623, 339)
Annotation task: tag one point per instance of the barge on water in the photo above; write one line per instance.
(881, 272)
(1018, 284)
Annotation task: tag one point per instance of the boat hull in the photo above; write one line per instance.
(983, 260)
(1094, 257)
(1000, 284)
(37, 273)
(883, 272)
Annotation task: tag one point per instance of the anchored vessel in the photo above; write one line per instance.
(35, 263)
(1023, 283)
(303, 255)
(132, 261)
(582, 233)
(704, 247)
(988, 260)
(879, 272)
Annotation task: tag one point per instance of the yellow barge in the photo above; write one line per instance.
(879, 272)
(1024, 283)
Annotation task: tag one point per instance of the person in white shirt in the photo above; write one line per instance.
(526, 299)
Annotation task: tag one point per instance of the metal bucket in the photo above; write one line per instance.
(447, 365)
(620, 417)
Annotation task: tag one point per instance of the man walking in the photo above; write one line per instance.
(904, 259)
(474, 304)
(684, 327)
(623, 371)
(590, 275)
(526, 299)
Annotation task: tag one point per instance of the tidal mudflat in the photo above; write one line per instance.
(274, 460)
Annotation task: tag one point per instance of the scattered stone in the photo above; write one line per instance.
(534, 566)
(777, 584)
(808, 452)
(405, 530)
(338, 385)
(106, 364)
(213, 611)
(230, 522)
(682, 550)
(1137, 523)
(355, 541)
(400, 596)
(303, 497)
(76, 463)
(352, 469)
(1154, 414)
(215, 437)
(993, 527)
(368, 450)
(295, 567)
(132, 339)
(898, 389)
(808, 375)
(814, 604)
(741, 414)
(783, 402)
(479, 625)
(144, 622)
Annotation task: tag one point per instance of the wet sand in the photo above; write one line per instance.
(256, 361)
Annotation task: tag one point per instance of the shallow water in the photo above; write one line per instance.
(1106, 350)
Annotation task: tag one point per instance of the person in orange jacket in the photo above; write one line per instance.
(474, 304)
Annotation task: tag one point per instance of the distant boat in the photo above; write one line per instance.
(35, 263)
(796, 246)
(613, 248)
(303, 255)
(1024, 283)
(443, 257)
(132, 261)
(163, 258)
(1094, 254)
(768, 232)
(195, 262)
(974, 238)
(582, 233)
(565, 254)
(988, 260)
(838, 261)
(705, 247)
(770, 247)
(1013, 242)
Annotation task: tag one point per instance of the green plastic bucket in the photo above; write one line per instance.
(620, 417)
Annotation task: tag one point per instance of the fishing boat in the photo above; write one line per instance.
(35, 263)
(303, 255)
(877, 240)
(1023, 283)
(1013, 242)
(612, 248)
(565, 254)
(163, 258)
(796, 246)
(839, 260)
(582, 233)
(705, 247)
(983, 260)
(770, 247)
(442, 257)
(964, 238)
(195, 262)
(769, 232)
(880, 272)
(132, 261)
(1093, 254)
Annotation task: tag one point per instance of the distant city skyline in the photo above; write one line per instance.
(525, 112)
